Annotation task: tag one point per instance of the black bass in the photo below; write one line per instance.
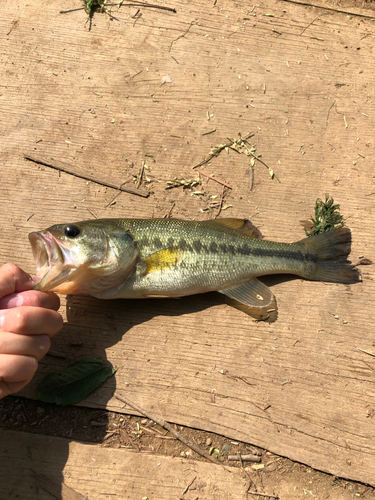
(142, 258)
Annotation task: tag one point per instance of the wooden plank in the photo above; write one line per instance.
(95, 100)
(53, 468)
(68, 470)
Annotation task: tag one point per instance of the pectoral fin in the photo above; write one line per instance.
(253, 298)
(162, 260)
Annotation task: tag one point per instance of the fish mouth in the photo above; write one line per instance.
(53, 261)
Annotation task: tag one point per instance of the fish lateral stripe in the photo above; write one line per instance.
(215, 248)
(281, 254)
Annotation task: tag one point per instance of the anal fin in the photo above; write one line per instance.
(253, 298)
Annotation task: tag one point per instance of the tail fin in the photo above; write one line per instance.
(327, 257)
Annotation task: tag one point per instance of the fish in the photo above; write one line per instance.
(147, 258)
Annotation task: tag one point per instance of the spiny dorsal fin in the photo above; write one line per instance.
(242, 225)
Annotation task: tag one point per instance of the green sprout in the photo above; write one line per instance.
(92, 5)
(327, 216)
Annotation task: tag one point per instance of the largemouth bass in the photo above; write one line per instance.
(142, 258)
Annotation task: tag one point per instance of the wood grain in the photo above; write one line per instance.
(302, 80)
(70, 470)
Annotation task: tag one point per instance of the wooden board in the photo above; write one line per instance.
(304, 85)
(58, 468)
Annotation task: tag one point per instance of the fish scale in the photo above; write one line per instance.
(224, 259)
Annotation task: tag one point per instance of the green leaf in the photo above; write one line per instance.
(75, 382)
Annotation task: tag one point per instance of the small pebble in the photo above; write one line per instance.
(40, 411)
(270, 468)
(93, 423)
(226, 449)
(144, 421)
(182, 454)
(208, 442)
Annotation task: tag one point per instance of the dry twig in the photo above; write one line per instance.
(155, 434)
(262, 494)
(169, 213)
(143, 4)
(140, 175)
(251, 178)
(93, 213)
(221, 202)
(245, 458)
(167, 426)
(101, 179)
(308, 26)
(214, 179)
(218, 149)
(347, 12)
(241, 146)
(272, 173)
(366, 352)
(180, 36)
(188, 486)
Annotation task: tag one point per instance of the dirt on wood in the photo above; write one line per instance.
(272, 477)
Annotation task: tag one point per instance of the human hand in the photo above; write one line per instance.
(28, 319)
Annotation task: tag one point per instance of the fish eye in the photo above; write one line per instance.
(71, 231)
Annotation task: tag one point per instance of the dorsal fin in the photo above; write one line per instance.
(242, 225)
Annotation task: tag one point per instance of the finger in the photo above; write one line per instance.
(27, 345)
(30, 321)
(48, 300)
(14, 279)
(15, 372)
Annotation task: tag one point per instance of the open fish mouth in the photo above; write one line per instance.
(54, 262)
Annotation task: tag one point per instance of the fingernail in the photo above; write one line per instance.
(44, 343)
(1, 320)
